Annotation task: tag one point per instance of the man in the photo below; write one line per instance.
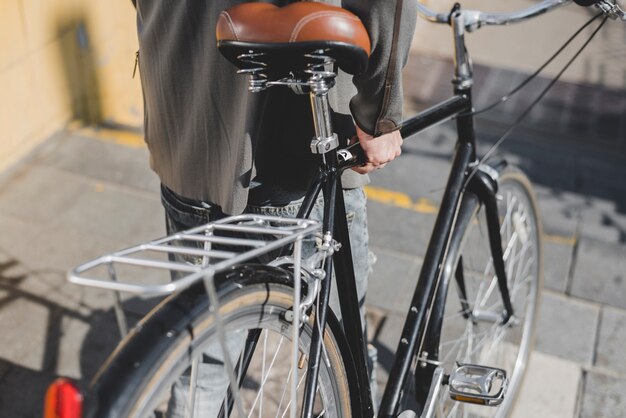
(209, 138)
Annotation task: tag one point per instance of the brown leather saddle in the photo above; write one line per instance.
(280, 38)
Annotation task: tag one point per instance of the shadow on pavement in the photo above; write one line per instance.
(24, 388)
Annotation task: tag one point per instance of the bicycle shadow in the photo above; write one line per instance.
(104, 334)
(74, 339)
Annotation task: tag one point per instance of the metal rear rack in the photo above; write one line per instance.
(214, 247)
(192, 256)
(197, 255)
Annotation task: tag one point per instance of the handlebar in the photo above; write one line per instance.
(475, 19)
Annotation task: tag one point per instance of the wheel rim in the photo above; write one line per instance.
(265, 390)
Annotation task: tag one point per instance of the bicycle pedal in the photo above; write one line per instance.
(476, 384)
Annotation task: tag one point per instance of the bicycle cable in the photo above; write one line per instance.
(534, 75)
(541, 95)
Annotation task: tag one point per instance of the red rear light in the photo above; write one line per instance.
(63, 400)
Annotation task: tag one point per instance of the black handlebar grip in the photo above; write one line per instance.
(586, 3)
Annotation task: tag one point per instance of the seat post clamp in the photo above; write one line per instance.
(323, 145)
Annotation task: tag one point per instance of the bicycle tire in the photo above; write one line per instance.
(464, 340)
(143, 372)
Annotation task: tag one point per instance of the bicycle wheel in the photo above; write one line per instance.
(151, 375)
(469, 333)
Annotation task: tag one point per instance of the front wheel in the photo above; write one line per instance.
(174, 358)
(470, 333)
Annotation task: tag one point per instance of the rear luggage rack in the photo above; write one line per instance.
(214, 247)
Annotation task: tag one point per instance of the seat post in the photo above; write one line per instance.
(325, 139)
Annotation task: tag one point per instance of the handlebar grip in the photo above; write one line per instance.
(586, 3)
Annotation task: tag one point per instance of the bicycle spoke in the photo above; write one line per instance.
(193, 379)
(288, 406)
(266, 376)
(263, 370)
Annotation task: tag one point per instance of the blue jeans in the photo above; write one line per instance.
(184, 214)
(181, 214)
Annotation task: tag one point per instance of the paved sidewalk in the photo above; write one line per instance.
(87, 192)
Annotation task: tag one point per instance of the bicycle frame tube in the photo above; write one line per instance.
(335, 229)
(349, 302)
(426, 289)
(428, 280)
(329, 180)
(435, 114)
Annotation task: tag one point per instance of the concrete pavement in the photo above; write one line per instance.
(86, 192)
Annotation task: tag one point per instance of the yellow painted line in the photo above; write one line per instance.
(400, 200)
(120, 137)
(424, 205)
(558, 239)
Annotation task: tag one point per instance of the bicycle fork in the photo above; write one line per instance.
(484, 185)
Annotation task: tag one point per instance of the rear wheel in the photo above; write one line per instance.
(469, 332)
(190, 364)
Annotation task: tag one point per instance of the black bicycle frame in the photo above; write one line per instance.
(329, 181)
(335, 223)
(431, 269)
(429, 292)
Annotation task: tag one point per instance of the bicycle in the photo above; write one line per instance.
(458, 349)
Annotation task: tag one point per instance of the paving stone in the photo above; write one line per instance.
(392, 282)
(557, 259)
(386, 342)
(599, 273)
(566, 328)
(407, 234)
(611, 351)
(602, 176)
(68, 360)
(40, 194)
(113, 213)
(604, 396)
(550, 388)
(19, 318)
(43, 248)
(602, 220)
(559, 210)
(105, 161)
(39, 267)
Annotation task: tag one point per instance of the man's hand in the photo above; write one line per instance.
(378, 151)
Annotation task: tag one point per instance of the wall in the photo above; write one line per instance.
(64, 60)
